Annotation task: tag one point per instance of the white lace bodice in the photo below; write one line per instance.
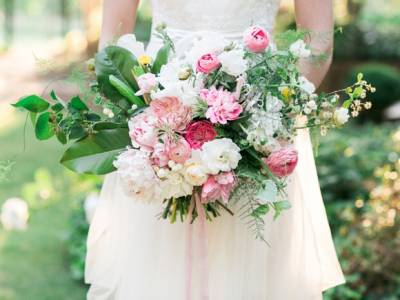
(229, 17)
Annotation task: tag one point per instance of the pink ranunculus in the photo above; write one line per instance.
(218, 187)
(224, 106)
(147, 82)
(171, 112)
(208, 63)
(143, 131)
(256, 39)
(282, 162)
(199, 132)
(179, 151)
(160, 155)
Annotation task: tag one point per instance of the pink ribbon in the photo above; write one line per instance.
(203, 249)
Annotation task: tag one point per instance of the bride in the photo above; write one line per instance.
(133, 255)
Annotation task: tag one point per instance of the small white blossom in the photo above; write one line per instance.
(299, 49)
(341, 115)
(108, 112)
(306, 85)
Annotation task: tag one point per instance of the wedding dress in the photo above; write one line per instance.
(134, 255)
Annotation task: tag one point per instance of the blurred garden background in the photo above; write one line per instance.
(46, 210)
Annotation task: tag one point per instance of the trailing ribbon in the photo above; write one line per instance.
(196, 202)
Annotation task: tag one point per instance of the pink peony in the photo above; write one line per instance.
(256, 39)
(197, 133)
(171, 112)
(147, 82)
(208, 63)
(223, 106)
(218, 187)
(179, 151)
(282, 162)
(142, 130)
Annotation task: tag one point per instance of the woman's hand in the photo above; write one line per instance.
(119, 18)
(316, 17)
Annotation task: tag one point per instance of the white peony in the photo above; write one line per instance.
(137, 174)
(90, 205)
(306, 85)
(341, 115)
(14, 214)
(233, 62)
(299, 49)
(129, 42)
(220, 155)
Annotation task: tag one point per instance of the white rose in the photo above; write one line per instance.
(233, 62)
(341, 115)
(299, 49)
(175, 185)
(220, 155)
(14, 214)
(306, 85)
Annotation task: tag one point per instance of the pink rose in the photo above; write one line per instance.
(218, 187)
(208, 63)
(179, 151)
(223, 106)
(282, 162)
(142, 130)
(256, 39)
(171, 112)
(147, 82)
(197, 133)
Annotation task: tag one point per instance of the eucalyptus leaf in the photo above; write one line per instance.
(33, 103)
(268, 192)
(96, 153)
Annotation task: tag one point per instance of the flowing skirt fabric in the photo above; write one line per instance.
(134, 255)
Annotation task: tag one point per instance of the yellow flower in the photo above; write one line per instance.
(286, 92)
(144, 59)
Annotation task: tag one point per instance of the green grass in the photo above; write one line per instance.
(34, 263)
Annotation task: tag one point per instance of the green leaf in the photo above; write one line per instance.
(44, 129)
(78, 104)
(268, 193)
(77, 132)
(126, 91)
(107, 125)
(280, 206)
(161, 58)
(261, 210)
(62, 138)
(33, 103)
(116, 61)
(95, 153)
(57, 107)
(33, 117)
(347, 103)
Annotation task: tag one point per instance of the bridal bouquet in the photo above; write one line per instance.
(205, 126)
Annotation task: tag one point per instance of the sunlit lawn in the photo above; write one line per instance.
(33, 264)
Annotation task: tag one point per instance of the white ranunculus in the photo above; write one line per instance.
(90, 206)
(341, 115)
(194, 171)
(138, 176)
(14, 214)
(129, 42)
(299, 49)
(220, 155)
(233, 62)
(306, 85)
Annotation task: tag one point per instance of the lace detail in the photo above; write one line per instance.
(225, 16)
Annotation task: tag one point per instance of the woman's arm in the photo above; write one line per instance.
(316, 16)
(118, 18)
